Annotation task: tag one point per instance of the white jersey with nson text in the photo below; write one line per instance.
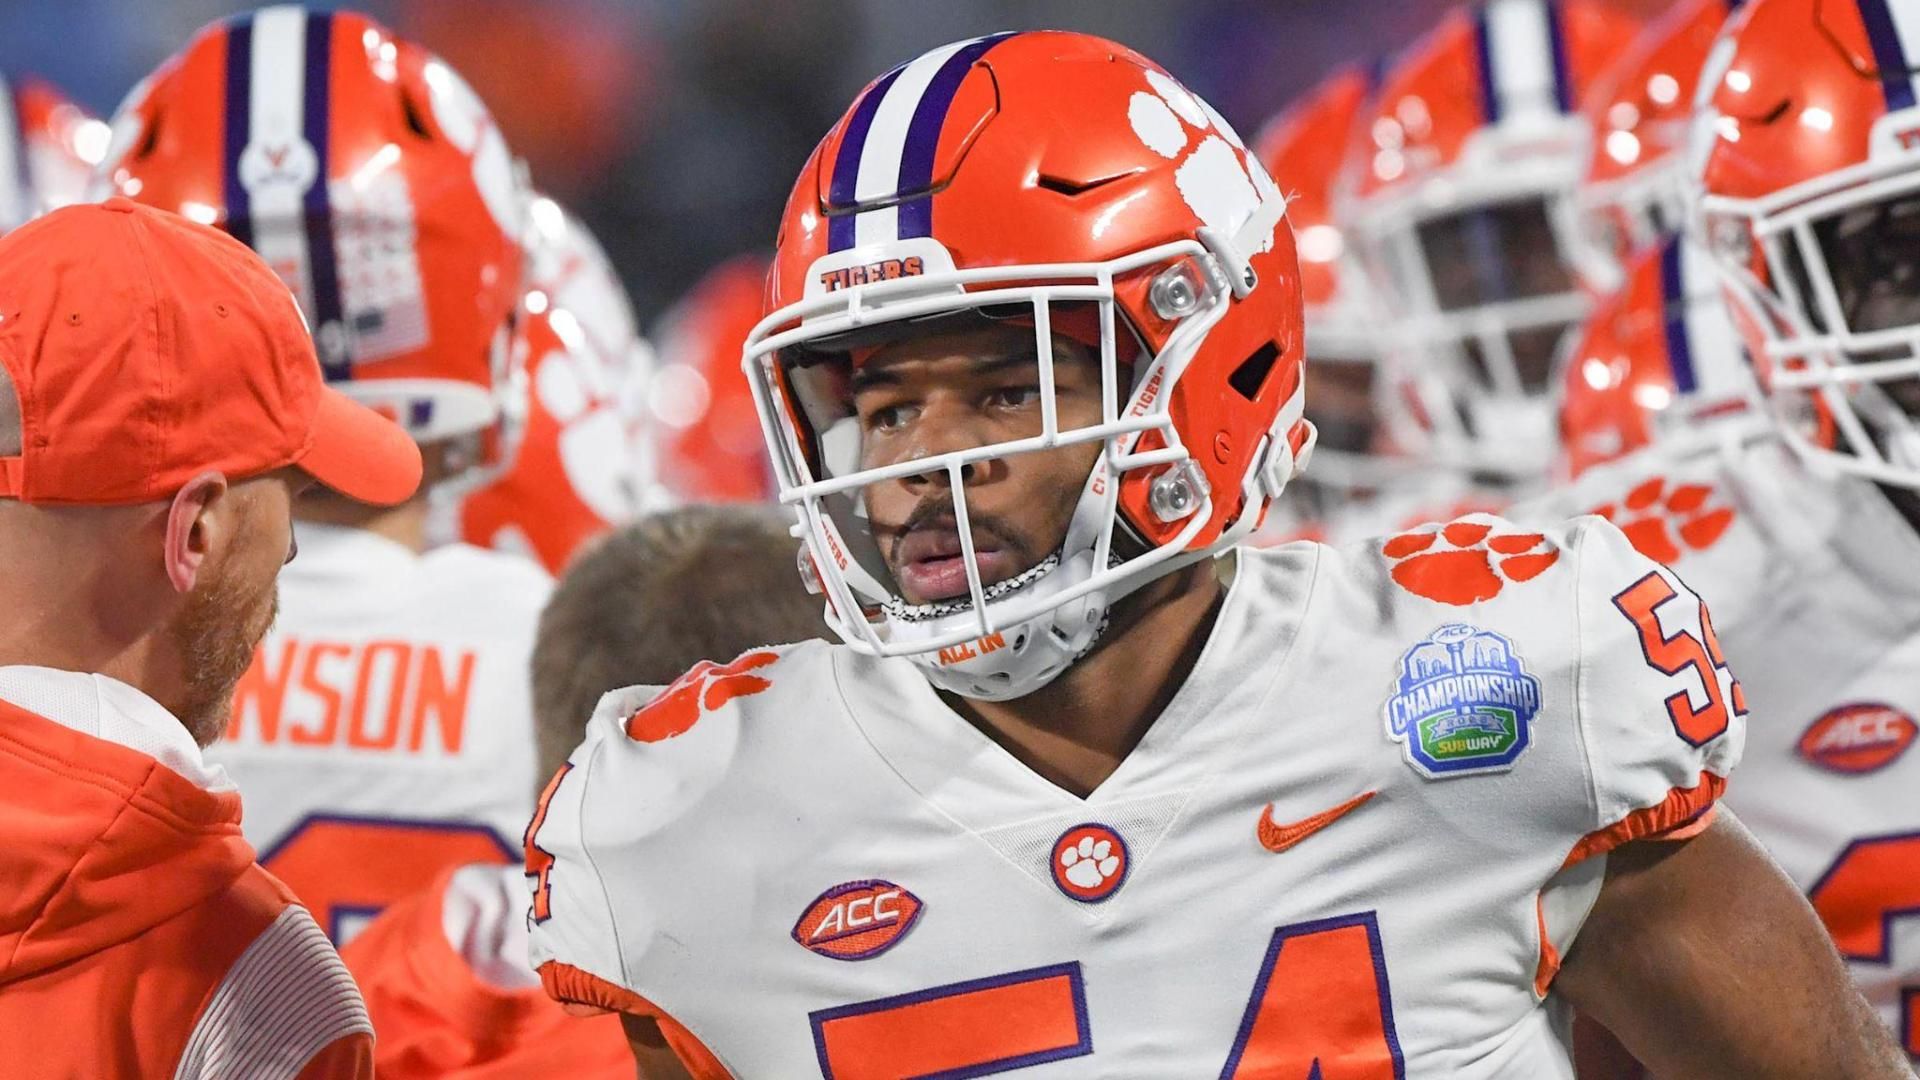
(385, 730)
(1363, 831)
(1814, 584)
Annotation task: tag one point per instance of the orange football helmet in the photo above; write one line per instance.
(1047, 180)
(570, 471)
(1467, 161)
(1809, 165)
(369, 175)
(708, 446)
(1640, 112)
(1658, 361)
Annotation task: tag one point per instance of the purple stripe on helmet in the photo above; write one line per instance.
(846, 164)
(1563, 95)
(1896, 81)
(1673, 302)
(923, 134)
(322, 260)
(239, 125)
(1483, 61)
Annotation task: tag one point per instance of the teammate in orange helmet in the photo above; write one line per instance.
(1075, 793)
(379, 730)
(575, 467)
(707, 442)
(1809, 570)
(1467, 160)
(146, 490)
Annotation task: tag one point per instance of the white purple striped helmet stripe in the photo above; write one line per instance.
(1893, 30)
(882, 173)
(279, 67)
(1522, 52)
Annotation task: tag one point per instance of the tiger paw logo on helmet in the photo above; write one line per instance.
(1464, 562)
(700, 691)
(1222, 184)
(1659, 521)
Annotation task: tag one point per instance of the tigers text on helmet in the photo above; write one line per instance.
(1809, 169)
(1467, 161)
(1658, 361)
(369, 175)
(1069, 187)
(1640, 111)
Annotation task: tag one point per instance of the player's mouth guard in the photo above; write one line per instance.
(1009, 639)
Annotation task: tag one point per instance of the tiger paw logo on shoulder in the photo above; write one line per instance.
(1463, 703)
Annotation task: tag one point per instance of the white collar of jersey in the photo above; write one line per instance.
(110, 709)
(974, 780)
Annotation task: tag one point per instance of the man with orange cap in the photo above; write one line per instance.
(162, 406)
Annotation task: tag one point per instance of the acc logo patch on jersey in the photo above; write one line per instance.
(1462, 704)
(1862, 737)
(857, 920)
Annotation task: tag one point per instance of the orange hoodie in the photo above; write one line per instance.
(137, 936)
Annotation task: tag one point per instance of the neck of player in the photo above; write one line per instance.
(1075, 731)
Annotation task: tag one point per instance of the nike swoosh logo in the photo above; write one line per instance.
(1278, 838)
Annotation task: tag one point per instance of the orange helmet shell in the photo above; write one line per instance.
(366, 172)
(1657, 360)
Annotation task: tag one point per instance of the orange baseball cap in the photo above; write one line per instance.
(145, 349)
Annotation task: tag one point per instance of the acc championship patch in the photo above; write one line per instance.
(1463, 703)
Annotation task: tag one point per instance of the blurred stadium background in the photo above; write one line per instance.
(675, 127)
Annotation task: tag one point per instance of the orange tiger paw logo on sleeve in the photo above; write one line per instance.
(1465, 562)
(706, 688)
(1652, 517)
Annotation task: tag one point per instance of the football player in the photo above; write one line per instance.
(445, 972)
(1067, 794)
(384, 731)
(1467, 162)
(574, 466)
(1805, 542)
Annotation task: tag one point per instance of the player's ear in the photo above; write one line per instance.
(198, 520)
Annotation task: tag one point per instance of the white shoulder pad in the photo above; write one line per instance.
(652, 756)
(1662, 717)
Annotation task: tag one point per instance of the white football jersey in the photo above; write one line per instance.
(1814, 585)
(385, 730)
(1363, 831)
